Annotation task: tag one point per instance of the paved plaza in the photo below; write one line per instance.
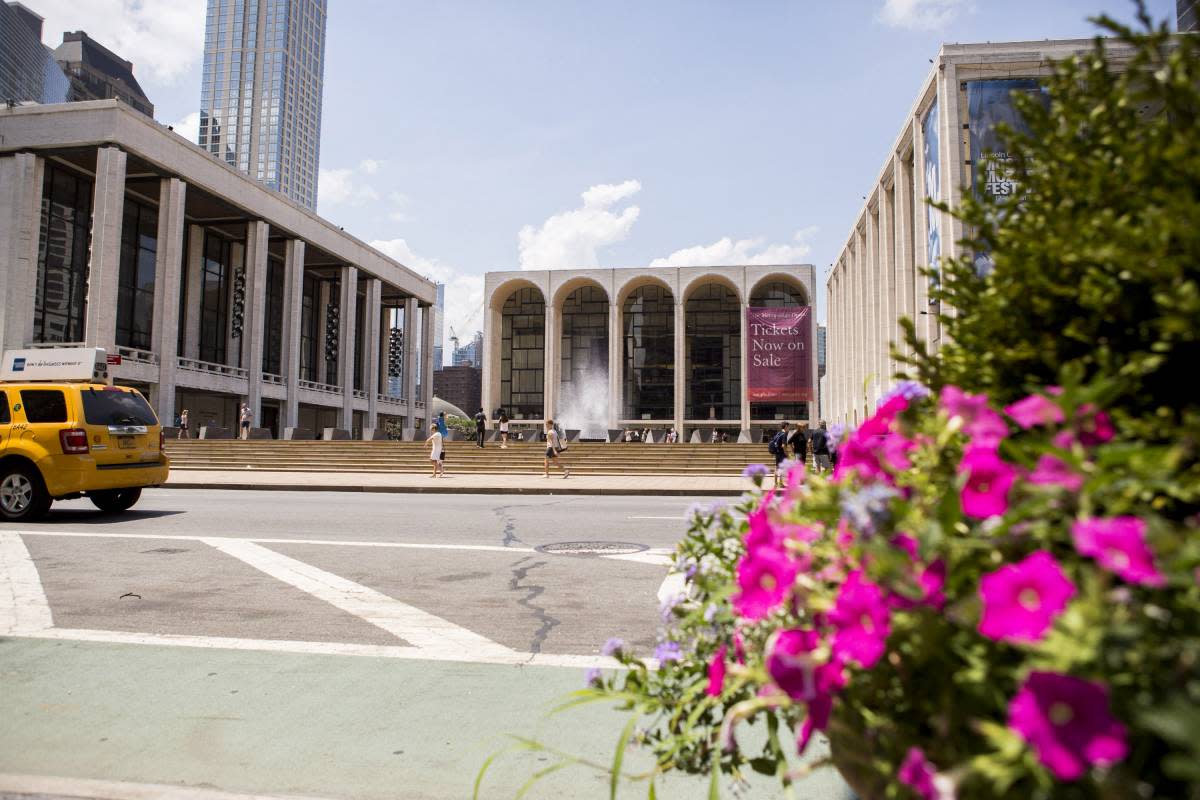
(322, 644)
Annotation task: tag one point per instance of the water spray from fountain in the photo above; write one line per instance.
(584, 403)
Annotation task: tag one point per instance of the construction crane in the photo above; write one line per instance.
(453, 336)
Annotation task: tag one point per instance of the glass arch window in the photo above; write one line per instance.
(713, 347)
(522, 354)
(778, 294)
(648, 352)
(583, 348)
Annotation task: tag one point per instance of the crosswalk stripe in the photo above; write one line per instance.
(23, 604)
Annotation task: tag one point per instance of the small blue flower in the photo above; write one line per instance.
(668, 651)
(909, 390)
(612, 646)
(667, 609)
(837, 434)
(593, 676)
(868, 508)
(710, 612)
(756, 471)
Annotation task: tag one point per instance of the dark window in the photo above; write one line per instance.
(648, 321)
(214, 298)
(360, 332)
(273, 321)
(5, 415)
(135, 285)
(107, 407)
(522, 354)
(714, 353)
(44, 405)
(778, 294)
(308, 330)
(181, 333)
(61, 295)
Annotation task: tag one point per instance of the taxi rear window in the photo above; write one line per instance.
(102, 407)
(44, 405)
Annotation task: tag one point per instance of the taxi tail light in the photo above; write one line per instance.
(74, 442)
(161, 439)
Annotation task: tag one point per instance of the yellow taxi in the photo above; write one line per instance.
(64, 438)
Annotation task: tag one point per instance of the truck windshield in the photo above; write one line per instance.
(116, 408)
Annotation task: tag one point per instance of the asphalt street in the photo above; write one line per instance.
(326, 644)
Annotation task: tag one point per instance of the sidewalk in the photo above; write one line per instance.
(520, 483)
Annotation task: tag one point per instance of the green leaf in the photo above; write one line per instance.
(619, 757)
(714, 782)
(537, 776)
(483, 769)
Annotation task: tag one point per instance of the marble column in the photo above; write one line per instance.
(104, 266)
(680, 368)
(192, 292)
(168, 262)
(254, 314)
(293, 320)
(428, 318)
(743, 366)
(550, 348)
(348, 302)
(616, 365)
(408, 372)
(22, 176)
(371, 342)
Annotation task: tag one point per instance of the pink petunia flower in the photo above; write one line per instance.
(986, 430)
(1034, 410)
(957, 403)
(1094, 426)
(917, 773)
(765, 578)
(861, 619)
(989, 479)
(1053, 471)
(791, 665)
(1119, 545)
(1022, 600)
(906, 543)
(932, 581)
(716, 672)
(1067, 722)
(817, 719)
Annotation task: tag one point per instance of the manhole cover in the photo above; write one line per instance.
(591, 548)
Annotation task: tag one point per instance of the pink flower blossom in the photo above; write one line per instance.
(1094, 426)
(984, 427)
(1036, 409)
(987, 430)
(1119, 545)
(716, 672)
(917, 773)
(1053, 471)
(957, 403)
(1022, 600)
(765, 578)
(817, 719)
(862, 621)
(906, 543)
(791, 665)
(1067, 722)
(989, 479)
(932, 581)
(894, 452)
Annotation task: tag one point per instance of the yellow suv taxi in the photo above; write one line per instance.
(60, 440)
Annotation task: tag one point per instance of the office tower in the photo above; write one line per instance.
(97, 73)
(260, 98)
(28, 72)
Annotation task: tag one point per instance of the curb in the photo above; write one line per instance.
(531, 490)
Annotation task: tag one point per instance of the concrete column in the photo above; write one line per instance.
(254, 314)
(887, 253)
(681, 371)
(616, 364)
(744, 367)
(21, 179)
(322, 312)
(191, 310)
(104, 264)
(371, 343)
(168, 260)
(293, 318)
(902, 251)
(873, 327)
(551, 362)
(427, 340)
(408, 373)
(346, 339)
(920, 245)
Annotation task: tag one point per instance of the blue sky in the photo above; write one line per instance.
(464, 137)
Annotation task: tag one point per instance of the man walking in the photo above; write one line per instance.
(798, 441)
(480, 426)
(778, 448)
(820, 448)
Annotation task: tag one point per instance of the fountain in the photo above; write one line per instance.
(583, 403)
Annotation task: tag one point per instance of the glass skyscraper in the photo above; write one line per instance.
(260, 100)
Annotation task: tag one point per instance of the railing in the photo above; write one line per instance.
(326, 388)
(419, 403)
(276, 380)
(390, 399)
(359, 394)
(137, 356)
(194, 365)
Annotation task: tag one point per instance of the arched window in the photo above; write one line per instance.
(648, 350)
(583, 361)
(713, 344)
(522, 354)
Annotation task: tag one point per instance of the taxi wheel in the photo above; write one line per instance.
(23, 496)
(113, 501)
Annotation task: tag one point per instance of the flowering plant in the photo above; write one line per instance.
(979, 602)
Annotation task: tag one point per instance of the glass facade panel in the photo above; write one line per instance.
(648, 349)
(778, 294)
(522, 354)
(273, 320)
(135, 283)
(61, 296)
(713, 348)
(214, 298)
(583, 348)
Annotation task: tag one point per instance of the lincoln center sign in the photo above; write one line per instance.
(779, 355)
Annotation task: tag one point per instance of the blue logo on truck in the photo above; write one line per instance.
(19, 364)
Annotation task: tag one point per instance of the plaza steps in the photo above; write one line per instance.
(583, 458)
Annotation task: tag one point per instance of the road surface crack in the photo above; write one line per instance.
(533, 591)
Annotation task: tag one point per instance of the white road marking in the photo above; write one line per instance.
(672, 586)
(431, 634)
(504, 658)
(23, 604)
(494, 548)
(654, 559)
(41, 785)
(676, 519)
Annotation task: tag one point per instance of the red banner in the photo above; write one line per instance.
(779, 355)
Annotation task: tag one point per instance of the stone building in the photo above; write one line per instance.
(213, 289)
(459, 386)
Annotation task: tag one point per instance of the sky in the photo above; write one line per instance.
(466, 137)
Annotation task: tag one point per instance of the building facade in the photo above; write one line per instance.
(471, 353)
(28, 71)
(213, 289)
(460, 386)
(664, 347)
(260, 98)
(946, 146)
(97, 73)
(1187, 15)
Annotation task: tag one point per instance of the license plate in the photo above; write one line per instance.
(126, 442)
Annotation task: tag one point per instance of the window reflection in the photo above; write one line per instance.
(522, 354)
(648, 349)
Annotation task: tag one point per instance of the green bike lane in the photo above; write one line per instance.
(320, 725)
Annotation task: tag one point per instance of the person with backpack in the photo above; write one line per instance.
(820, 448)
(480, 426)
(778, 448)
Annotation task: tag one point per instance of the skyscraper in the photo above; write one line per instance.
(260, 97)
(28, 72)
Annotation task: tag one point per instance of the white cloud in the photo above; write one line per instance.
(189, 127)
(921, 14)
(571, 238)
(163, 38)
(464, 293)
(343, 186)
(730, 252)
(370, 165)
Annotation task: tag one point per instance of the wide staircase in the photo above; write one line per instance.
(583, 458)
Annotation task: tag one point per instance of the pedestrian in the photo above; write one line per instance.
(715, 438)
(246, 417)
(554, 447)
(503, 432)
(798, 441)
(724, 437)
(436, 450)
(183, 425)
(481, 420)
(778, 448)
(441, 425)
(820, 448)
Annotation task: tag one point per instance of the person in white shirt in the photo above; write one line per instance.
(435, 450)
(553, 448)
(503, 431)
